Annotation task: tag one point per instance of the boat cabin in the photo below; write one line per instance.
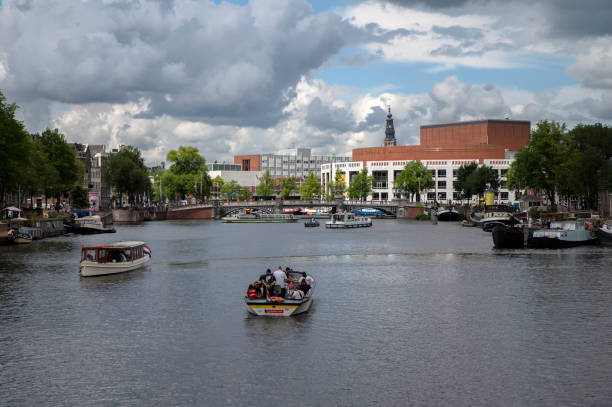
(113, 252)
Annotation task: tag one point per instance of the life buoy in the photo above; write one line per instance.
(277, 299)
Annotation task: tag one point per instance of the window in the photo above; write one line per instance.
(384, 196)
(456, 196)
(503, 172)
(442, 184)
(455, 173)
(503, 196)
(433, 173)
(502, 184)
(431, 196)
(441, 173)
(380, 179)
(441, 196)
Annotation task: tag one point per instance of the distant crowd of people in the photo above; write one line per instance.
(284, 284)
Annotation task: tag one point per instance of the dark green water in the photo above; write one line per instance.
(405, 313)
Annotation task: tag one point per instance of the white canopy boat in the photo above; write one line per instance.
(113, 258)
(260, 218)
(348, 220)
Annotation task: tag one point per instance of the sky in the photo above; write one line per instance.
(250, 77)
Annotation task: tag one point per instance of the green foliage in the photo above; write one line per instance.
(482, 179)
(413, 179)
(542, 163)
(461, 184)
(78, 197)
(422, 216)
(266, 185)
(188, 174)
(244, 194)
(15, 148)
(311, 187)
(361, 185)
(338, 186)
(126, 171)
(287, 187)
(61, 159)
(229, 190)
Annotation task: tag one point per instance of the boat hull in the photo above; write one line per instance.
(258, 220)
(347, 225)
(93, 269)
(605, 237)
(449, 216)
(278, 309)
(556, 243)
(505, 237)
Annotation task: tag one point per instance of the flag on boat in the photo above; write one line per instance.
(147, 250)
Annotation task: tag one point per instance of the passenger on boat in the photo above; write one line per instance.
(122, 257)
(304, 287)
(280, 286)
(267, 281)
(251, 293)
(297, 294)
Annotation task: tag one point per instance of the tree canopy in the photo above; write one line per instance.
(361, 185)
(265, 188)
(414, 178)
(287, 186)
(540, 164)
(311, 187)
(187, 175)
(126, 171)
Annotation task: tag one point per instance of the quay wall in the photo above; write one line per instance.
(128, 216)
(190, 213)
(410, 212)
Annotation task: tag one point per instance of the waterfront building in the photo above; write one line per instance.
(444, 174)
(295, 162)
(443, 148)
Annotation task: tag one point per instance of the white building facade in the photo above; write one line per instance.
(444, 173)
(296, 162)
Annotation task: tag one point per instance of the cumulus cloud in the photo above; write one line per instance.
(595, 68)
(456, 100)
(222, 63)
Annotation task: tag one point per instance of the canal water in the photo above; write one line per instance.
(406, 313)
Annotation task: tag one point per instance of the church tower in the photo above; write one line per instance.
(390, 131)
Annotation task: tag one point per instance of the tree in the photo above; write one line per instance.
(244, 194)
(230, 189)
(540, 165)
(481, 179)
(217, 184)
(414, 178)
(588, 166)
(126, 171)
(265, 188)
(78, 197)
(339, 185)
(287, 187)
(60, 156)
(15, 148)
(461, 184)
(311, 187)
(188, 174)
(361, 185)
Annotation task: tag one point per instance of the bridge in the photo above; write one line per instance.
(217, 209)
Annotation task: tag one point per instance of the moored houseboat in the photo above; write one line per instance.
(113, 258)
(604, 232)
(562, 234)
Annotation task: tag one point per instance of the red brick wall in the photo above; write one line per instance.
(254, 161)
(192, 213)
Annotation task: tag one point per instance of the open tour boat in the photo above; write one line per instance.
(281, 307)
(113, 258)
